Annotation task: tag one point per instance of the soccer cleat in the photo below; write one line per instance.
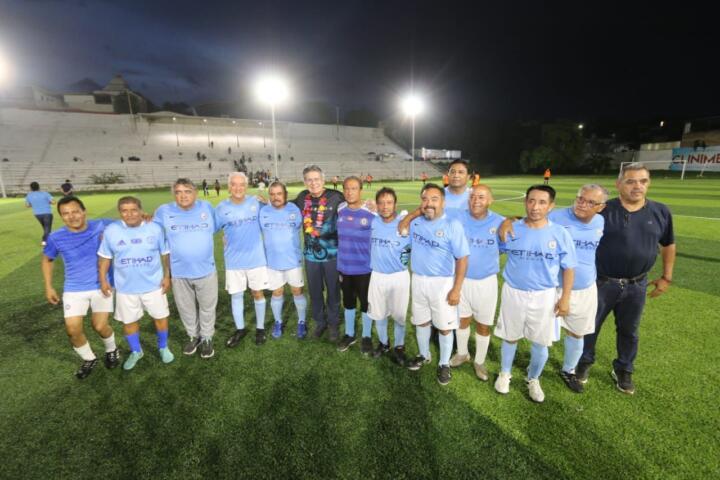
(277, 330)
(366, 347)
(166, 355)
(132, 360)
(191, 346)
(235, 338)
(623, 381)
(260, 336)
(571, 381)
(345, 343)
(535, 391)
(206, 348)
(458, 360)
(582, 372)
(86, 368)
(502, 384)
(417, 363)
(380, 350)
(444, 375)
(112, 359)
(481, 372)
(398, 355)
(301, 330)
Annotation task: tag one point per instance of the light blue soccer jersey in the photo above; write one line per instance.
(586, 237)
(484, 245)
(389, 251)
(353, 227)
(436, 244)
(39, 202)
(536, 255)
(79, 254)
(243, 239)
(454, 204)
(189, 234)
(136, 253)
(281, 236)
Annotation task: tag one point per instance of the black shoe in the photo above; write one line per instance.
(380, 350)
(333, 334)
(582, 372)
(259, 336)
(623, 381)
(206, 348)
(398, 356)
(112, 359)
(417, 363)
(571, 381)
(319, 331)
(366, 347)
(86, 368)
(444, 375)
(234, 340)
(345, 343)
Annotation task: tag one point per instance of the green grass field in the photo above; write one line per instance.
(300, 409)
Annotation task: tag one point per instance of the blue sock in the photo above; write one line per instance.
(399, 331)
(162, 337)
(350, 322)
(538, 357)
(260, 314)
(423, 339)
(573, 352)
(507, 356)
(381, 326)
(134, 342)
(446, 346)
(238, 310)
(276, 304)
(301, 306)
(367, 325)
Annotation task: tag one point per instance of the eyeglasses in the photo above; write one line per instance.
(589, 203)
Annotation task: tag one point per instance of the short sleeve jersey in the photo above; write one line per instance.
(354, 231)
(586, 238)
(323, 247)
(389, 251)
(39, 202)
(535, 256)
(243, 239)
(189, 234)
(455, 204)
(482, 237)
(436, 244)
(281, 236)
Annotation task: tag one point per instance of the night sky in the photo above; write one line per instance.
(493, 60)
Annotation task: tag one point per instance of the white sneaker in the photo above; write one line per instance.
(458, 360)
(502, 384)
(536, 392)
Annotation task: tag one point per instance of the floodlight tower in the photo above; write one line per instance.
(412, 105)
(4, 81)
(272, 90)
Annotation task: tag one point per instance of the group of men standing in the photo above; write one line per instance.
(453, 243)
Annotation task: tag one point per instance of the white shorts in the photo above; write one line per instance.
(479, 299)
(237, 281)
(429, 302)
(75, 304)
(583, 308)
(278, 278)
(389, 295)
(129, 306)
(528, 315)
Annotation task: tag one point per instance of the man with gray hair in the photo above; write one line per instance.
(189, 226)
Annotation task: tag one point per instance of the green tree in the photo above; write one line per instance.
(561, 148)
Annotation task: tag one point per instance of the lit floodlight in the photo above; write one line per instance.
(662, 123)
(4, 70)
(580, 126)
(271, 90)
(412, 105)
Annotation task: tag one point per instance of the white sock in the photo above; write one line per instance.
(481, 347)
(85, 352)
(463, 335)
(110, 343)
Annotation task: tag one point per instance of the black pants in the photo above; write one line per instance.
(626, 301)
(46, 221)
(355, 287)
(324, 276)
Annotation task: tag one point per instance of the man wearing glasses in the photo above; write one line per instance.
(634, 227)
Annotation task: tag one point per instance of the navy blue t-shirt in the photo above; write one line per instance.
(629, 246)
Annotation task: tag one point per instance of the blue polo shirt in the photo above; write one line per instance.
(39, 202)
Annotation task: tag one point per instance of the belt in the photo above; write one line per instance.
(626, 281)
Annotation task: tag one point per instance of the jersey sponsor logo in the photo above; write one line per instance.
(278, 225)
(135, 261)
(189, 228)
(586, 244)
(481, 242)
(424, 241)
(241, 221)
(532, 255)
(383, 242)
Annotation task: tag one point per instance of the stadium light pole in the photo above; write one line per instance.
(4, 81)
(207, 130)
(412, 105)
(237, 138)
(177, 138)
(272, 90)
(263, 132)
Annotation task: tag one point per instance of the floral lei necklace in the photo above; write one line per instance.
(308, 227)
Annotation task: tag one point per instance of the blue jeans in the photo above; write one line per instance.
(45, 220)
(323, 276)
(626, 301)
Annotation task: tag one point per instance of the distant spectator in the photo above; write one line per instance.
(424, 177)
(160, 156)
(229, 150)
(122, 159)
(212, 144)
(209, 165)
(198, 155)
(40, 203)
(205, 188)
(75, 159)
(279, 157)
(335, 182)
(546, 176)
(204, 157)
(6, 159)
(217, 187)
(67, 188)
